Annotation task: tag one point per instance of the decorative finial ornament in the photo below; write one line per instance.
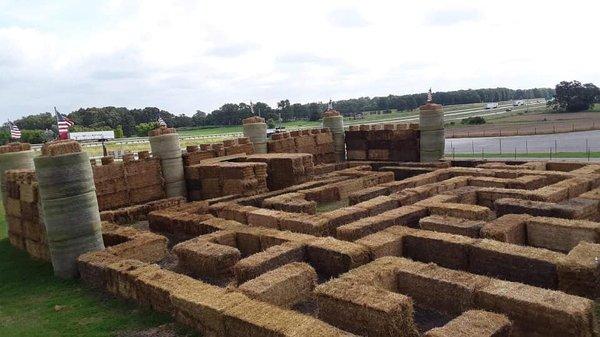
(330, 105)
(429, 96)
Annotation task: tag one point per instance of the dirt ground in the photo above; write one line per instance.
(528, 124)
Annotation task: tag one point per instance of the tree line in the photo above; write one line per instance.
(131, 122)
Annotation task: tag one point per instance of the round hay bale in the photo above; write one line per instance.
(176, 188)
(71, 217)
(64, 175)
(432, 140)
(69, 205)
(63, 254)
(257, 133)
(13, 161)
(431, 119)
(253, 120)
(166, 146)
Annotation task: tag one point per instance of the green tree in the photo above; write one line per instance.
(574, 96)
(142, 129)
(119, 131)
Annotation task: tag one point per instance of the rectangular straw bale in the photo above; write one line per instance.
(367, 194)
(12, 207)
(538, 312)
(591, 195)
(474, 323)
(278, 237)
(471, 212)
(147, 247)
(452, 225)
(119, 281)
(92, 268)
(509, 228)
(15, 225)
(378, 205)
(206, 258)
(447, 250)
(365, 310)
(382, 273)
(284, 286)
(343, 216)
(561, 234)
(204, 307)
(579, 271)
(524, 264)
(363, 227)
(331, 257)
(444, 290)
(256, 319)
(382, 244)
(302, 223)
(37, 250)
(155, 287)
(269, 259)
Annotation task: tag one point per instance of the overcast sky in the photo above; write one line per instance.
(188, 55)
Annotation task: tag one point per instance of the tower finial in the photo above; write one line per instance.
(429, 96)
(330, 105)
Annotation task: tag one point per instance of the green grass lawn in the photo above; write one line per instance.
(29, 293)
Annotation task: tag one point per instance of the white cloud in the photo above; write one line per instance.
(189, 55)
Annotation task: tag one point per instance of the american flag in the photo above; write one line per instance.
(15, 133)
(161, 122)
(330, 105)
(429, 96)
(63, 125)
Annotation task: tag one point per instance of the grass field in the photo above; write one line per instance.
(35, 303)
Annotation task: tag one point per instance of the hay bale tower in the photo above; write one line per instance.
(14, 156)
(334, 121)
(164, 143)
(431, 125)
(69, 204)
(255, 128)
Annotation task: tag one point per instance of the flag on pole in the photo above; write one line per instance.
(15, 133)
(252, 108)
(63, 125)
(330, 105)
(161, 122)
(429, 96)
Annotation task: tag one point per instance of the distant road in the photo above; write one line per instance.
(559, 142)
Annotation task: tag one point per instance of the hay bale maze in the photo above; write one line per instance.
(369, 248)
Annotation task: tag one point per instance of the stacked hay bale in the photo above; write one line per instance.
(144, 179)
(226, 178)
(255, 129)
(111, 186)
(14, 156)
(164, 143)
(130, 182)
(69, 204)
(26, 229)
(334, 121)
(238, 146)
(431, 124)
(285, 169)
(383, 142)
(318, 142)
(196, 154)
